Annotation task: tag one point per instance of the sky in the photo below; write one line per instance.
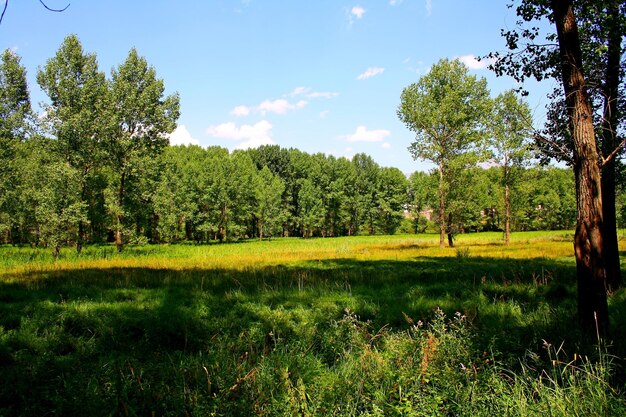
(320, 76)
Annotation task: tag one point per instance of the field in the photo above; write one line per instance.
(383, 325)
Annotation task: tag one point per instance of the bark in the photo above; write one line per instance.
(588, 242)
(442, 210)
(609, 143)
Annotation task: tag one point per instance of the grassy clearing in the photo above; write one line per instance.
(348, 326)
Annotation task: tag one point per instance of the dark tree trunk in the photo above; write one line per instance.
(588, 244)
(609, 143)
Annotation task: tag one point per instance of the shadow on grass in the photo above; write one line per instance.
(72, 338)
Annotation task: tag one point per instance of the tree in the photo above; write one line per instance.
(15, 111)
(392, 196)
(77, 114)
(141, 120)
(365, 187)
(59, 208)
(565, 63)
(588, 244)
(510, 127)
(268, 189)
(447, 109)
(421, 196)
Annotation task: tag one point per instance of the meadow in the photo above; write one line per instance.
(381, 325)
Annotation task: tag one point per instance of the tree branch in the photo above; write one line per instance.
(6, 4)
(562, 151)
(604, 161)
(53, 10)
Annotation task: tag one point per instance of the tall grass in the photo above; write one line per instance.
(348, 326)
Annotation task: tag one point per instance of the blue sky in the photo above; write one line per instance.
(320, 76)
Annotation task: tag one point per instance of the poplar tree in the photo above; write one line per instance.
(510, 127)
(447, 109)
(142, 117)
(15, 111)
(76, 115)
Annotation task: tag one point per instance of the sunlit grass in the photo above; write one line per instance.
(380, 325)
(289, 251)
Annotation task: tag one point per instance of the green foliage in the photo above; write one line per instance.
(268, 189)
(141, 119)
(15, 112)
(447, 109)
(59, 208)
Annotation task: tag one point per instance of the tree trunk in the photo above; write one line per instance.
(223, 216)
(507, 214)
(442, 210)
(588, 244)
(609, 143)
(450, 233)
(119, 234)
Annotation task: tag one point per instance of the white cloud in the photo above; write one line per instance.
(429, 7)
(473, 63)
(370, 72)
(279, 106)
(394, 2)
(324, 94)
(363, 135)
(240, 111)
(323, 114)
(298, 91)
(358, 11)
(284, 105)
(181, 136)
(309, 93)
(386, 145)
(250, 136)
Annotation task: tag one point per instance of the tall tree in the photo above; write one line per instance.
(391, 196)
(601, 33)
(77, 113)
(268, 190)
(580, 147)
(447, 109)
(15, 112)
(588, 244)
(142, 117)
(510, 127)
(588, 239)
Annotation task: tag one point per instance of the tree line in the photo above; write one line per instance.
(97, 167)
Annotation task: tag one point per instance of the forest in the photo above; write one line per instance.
(125, 184)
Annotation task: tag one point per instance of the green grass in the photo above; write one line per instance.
(385, 325)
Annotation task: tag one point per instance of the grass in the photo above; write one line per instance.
(385, 325)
